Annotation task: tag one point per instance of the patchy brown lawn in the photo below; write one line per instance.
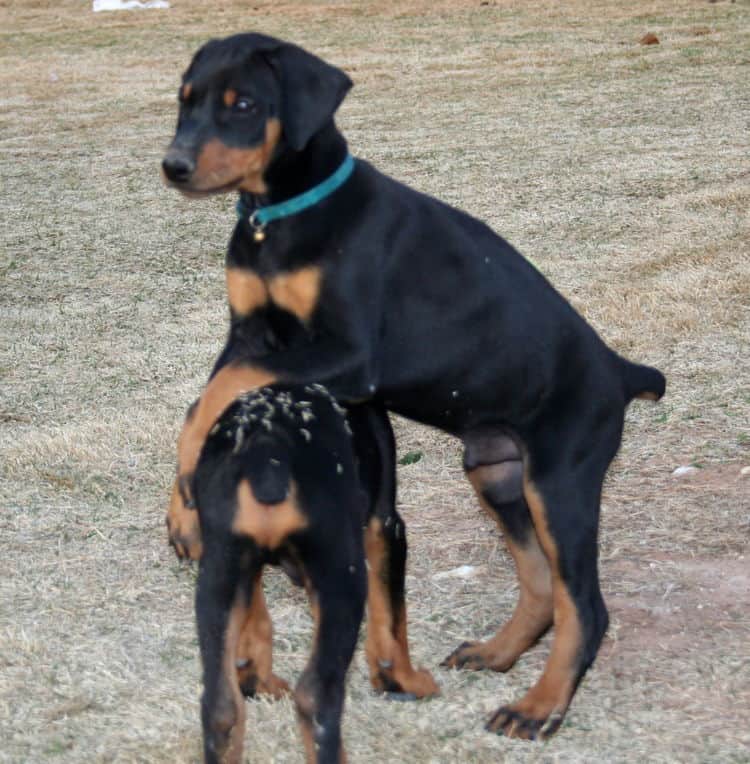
(621, 169)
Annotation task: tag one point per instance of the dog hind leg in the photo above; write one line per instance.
(254, 651)
(222, 600)
(386, 646)
(499, 487)
(562, 489)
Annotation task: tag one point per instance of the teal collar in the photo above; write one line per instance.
(261, 216)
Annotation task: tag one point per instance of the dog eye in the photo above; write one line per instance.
(245, 105)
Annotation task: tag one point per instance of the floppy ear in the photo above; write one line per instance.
(197, 57)
(311, 92)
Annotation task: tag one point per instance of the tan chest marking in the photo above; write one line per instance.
(246, 291)
(267, 524)
(298, 291)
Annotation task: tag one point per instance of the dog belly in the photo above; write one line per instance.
(459, 392)
(455, 411)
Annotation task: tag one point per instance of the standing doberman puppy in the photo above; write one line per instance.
(387, 295)
(276, 483)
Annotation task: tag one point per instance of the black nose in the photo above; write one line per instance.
(178, 168)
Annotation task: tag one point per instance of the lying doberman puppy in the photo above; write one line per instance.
(339, 274)
(276, 484)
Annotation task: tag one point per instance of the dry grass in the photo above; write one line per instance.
(622, 170)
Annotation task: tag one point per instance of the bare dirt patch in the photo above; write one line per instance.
(620, 169)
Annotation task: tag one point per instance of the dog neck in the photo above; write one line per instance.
(293, 172)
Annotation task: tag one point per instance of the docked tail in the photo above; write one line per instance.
(267, 507)
(642, 381)
(267, 467)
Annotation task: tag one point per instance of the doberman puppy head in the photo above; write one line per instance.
(244, 100)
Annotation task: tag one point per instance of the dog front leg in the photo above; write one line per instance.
(222, 389)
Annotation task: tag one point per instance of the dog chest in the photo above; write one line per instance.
(296, 292)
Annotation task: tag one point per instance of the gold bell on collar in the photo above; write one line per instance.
(259, 233)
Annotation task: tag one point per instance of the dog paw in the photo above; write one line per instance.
(475, 656)
(464, 656)
(404, 685)
(516, 724)
(185, 536)
(252, 686)
(185, 542)
(183, 528)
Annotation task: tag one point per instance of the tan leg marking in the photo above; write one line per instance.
(533, 613)
(548, 700)
(387, 646)
(226, 385)
(305, 704)
(267, 524)
(228, 716)
(255, 649)
(298, 291)
(246, 291)
(304, 694)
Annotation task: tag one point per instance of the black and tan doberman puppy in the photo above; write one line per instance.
(276, 484)
(386, 646)
(339, 274)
